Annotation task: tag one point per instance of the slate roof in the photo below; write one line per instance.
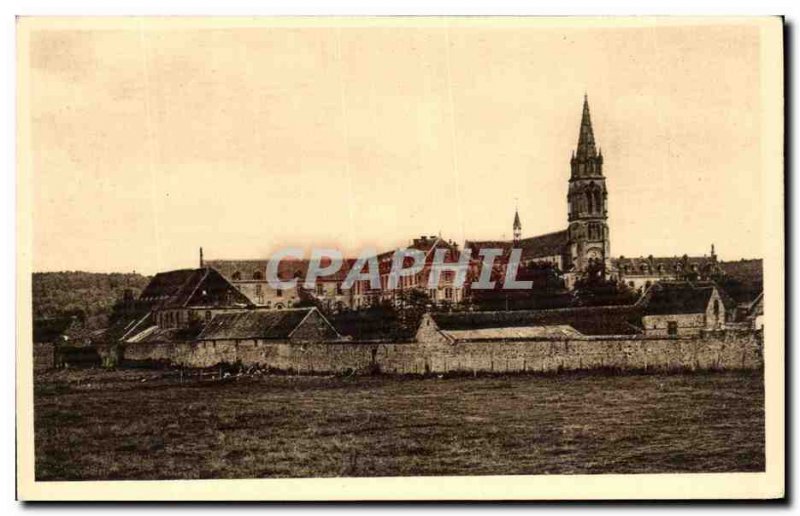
(664, 265)
(550, 244)
(594, 320)
(181, 288)
(746, 271)
(545, 245)
(155, 334)
(677, 298)
(124, 328)
(255, 324)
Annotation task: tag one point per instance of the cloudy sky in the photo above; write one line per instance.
(148, 141)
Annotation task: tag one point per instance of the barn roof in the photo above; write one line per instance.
(177, 288)
(256, 324)
(595, 320)
(677, 298)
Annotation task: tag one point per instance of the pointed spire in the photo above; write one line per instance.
(586, 137)
(517, 223)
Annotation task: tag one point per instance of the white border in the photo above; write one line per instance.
(233, 7)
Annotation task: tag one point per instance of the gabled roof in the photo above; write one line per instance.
(258, 324)
(191, 287)
(594, 320)
(677, 298)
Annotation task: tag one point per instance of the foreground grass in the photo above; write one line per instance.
(93, 425)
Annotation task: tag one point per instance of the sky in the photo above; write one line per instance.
(147, 142)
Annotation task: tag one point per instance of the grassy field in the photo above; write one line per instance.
(94, 424)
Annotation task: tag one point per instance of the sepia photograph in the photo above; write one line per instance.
(423, 258)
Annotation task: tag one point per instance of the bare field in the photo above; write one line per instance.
(94, 424)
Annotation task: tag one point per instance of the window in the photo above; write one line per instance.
(236, 276)
(208, 315)
(258, 276)
(672, 327)
(320, 289)
(339, 291)
(448, 293)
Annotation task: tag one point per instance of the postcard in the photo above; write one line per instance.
(400, 258)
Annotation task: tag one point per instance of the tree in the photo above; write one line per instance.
(595, 290)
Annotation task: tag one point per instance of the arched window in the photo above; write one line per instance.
(236, 276)
(598, 202)
(258, 276)
(590, 202)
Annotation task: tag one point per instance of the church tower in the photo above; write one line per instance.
(517, 227)
(587, 202)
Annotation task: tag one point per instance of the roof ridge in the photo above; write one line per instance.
(191, 294)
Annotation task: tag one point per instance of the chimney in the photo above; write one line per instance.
(202, 264)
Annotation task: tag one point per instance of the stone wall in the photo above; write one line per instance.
(688, 324)
(718, 350)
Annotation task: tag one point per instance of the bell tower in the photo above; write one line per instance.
(587, 202)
